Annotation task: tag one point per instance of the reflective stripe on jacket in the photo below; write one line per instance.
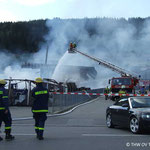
(122, 92)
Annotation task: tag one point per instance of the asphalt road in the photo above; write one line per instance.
(82, 129)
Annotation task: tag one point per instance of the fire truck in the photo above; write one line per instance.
(127, 80)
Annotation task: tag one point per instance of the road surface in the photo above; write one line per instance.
(82, 129)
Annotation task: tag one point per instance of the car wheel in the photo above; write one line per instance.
(134, 125)
(109, 121)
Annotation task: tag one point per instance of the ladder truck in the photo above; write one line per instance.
(126, 81)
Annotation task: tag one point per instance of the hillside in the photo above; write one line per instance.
(22, 36)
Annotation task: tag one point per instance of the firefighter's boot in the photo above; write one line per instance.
(8, 136)
(40, 135)
(1, 138)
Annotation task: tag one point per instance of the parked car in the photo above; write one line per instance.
(130, 112)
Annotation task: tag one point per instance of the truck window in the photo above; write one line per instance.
(121, 81)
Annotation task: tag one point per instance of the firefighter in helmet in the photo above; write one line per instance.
(71, 46)
(142, 90)
(74, 45)
(106, 92)
(122, 90)
(5, 115)
(40, 107)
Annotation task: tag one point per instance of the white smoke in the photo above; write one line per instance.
(121, 48)
(34, 3)
(11, 67)
(18, 73)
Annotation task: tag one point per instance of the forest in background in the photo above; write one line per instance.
(26, 36)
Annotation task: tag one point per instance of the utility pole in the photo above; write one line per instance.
(46, 55)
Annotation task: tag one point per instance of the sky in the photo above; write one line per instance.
(25, 10)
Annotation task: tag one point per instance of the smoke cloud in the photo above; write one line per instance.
(11, 67)
(114, 40)
(123, 47)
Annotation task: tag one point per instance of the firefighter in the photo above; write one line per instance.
(142, 90)
(71, 46)
(122, 91)
(40, 107)
(106, 91)
(5, 115)
(74, 45)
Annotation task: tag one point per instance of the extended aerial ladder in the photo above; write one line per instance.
(104, 63)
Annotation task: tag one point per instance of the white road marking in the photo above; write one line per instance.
(23, 134)
(113, 135)
(88, 135)
(25, 118)
(60, 125)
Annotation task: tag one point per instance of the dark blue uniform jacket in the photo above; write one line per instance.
(40, 103)
(4, 103)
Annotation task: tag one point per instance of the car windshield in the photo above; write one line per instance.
(140, 102)
(121, 81)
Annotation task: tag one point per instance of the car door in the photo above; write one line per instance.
(115, 108)
(123, 112)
